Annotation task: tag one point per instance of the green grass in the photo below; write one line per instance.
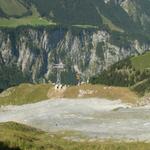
(33, 20)
(30, 20)
(112, 26)
(24, 93)
(108, 22)
(27, 138)
(12, 7)
(86, 26)
(141, 62)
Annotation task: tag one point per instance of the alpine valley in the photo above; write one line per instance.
(74, 74)
(87, 36)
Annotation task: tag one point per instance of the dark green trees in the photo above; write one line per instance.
(11, 76)
(121, 74)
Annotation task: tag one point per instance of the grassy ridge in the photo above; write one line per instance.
(25, 93)
(29, 93)
(23, 137)
(101, 91)
(141, 62)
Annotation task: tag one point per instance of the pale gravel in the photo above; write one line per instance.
(94, 118)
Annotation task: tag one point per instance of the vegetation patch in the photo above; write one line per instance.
(11, 76)
(142, 88)
(32, 93)
(101, 91)
(112, 26)
(34, 20)
(86, 26)
(141, 62)
(100, 50)
(24, 94)
(30, 20)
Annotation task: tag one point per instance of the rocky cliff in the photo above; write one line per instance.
(87, 52)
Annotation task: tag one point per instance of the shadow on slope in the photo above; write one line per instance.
(5, 147)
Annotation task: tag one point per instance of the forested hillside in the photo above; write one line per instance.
(11, 76)
(132, 72)
(117, 15)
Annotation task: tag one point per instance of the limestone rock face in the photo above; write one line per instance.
(86, 52)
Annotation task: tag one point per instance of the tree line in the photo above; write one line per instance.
(10, 76)
(121, 74)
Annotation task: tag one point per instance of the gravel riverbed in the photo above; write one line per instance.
(94, 118)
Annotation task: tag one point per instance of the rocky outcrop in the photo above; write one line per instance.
(87, 52)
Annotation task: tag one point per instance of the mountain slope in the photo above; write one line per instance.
(85, 12)
(133, 72)
(88, 36)
(139, 11)
(113, 15)
(89, 12)
(14, 8)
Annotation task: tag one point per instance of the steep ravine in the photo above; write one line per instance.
(87, 52)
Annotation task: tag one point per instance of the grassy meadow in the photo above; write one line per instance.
(30, 20)
(33, 20)
(141, 62)
(101, 91)
(24, 94)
